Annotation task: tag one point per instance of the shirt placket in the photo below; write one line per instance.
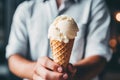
(54, 12)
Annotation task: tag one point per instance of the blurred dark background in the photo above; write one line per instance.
(112, 70)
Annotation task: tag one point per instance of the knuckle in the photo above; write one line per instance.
(43, 60)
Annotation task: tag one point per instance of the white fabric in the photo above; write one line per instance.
(32, 20)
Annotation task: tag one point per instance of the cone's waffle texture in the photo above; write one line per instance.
(61, 51)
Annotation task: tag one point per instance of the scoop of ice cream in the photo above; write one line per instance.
(63, 28)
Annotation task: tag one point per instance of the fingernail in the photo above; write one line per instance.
(65, 76)
(59, 69)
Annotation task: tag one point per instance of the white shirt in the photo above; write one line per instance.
(29, 31)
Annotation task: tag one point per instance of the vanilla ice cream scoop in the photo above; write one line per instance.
(63, 28)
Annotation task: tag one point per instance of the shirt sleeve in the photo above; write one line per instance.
(98, 31)
(18, 38)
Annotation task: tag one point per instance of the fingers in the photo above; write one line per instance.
(49, 64)
(46, 69)
(50, 75)
(72, 70)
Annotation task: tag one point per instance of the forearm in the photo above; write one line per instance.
(20, 66)
(90, 67)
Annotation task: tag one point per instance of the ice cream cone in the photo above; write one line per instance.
(62, 33)
(61, 51)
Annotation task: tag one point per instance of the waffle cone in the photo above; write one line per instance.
(61, 51)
